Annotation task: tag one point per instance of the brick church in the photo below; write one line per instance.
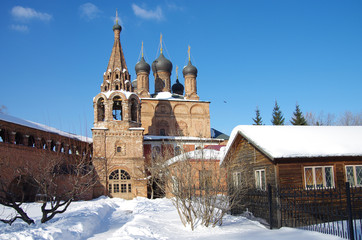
(131, 123)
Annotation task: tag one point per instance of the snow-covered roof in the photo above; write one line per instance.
(171, 97)
(302, 141)
(202, 154)
(42, 127)
(179, 138)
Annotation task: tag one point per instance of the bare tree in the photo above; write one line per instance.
(56, 180)
(350, 119)
(198, 188)
(321, 119)
(10, 198)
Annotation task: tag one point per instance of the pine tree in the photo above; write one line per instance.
(257, 120)
(298, 118)
(278, 118)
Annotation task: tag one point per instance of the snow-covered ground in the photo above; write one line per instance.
(141, 218)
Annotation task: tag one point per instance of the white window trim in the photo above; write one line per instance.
(314, 178)
(354, 175)
(263, 184)
(236, 179)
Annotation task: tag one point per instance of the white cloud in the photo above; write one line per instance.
(23, 14)
(89, 11)
(147, 14)
(19, 28)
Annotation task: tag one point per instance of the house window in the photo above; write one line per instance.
(119, 149)
(354, 175)
(205, 178)
(237, 179)
(319, 177)
(260, 182)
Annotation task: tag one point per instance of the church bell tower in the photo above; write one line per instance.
(117, 133)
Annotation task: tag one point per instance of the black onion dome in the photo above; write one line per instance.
(142, 66)
(161, 64)
(117, 26)
(178, 88)
(189, 69)
(134, 84)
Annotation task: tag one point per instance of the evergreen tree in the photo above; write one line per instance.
(298, 118)
(257, 120)
(278, 118)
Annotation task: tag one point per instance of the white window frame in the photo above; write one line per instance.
(354, 184)
(323, 175)
(236, 179)
(259, 182)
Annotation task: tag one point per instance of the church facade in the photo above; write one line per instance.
(131, 124)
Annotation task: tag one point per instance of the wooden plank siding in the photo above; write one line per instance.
(246, 159)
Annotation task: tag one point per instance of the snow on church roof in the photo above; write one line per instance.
(202, 154)
(302, 141)
(42, 127)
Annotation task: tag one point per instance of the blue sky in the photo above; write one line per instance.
(248, 53)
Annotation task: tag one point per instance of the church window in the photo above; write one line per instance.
(100, 109)
(116, 87)
(116, 76)
(105, 88)
(178, 150)
(134, 108)
(117, 108)
(119, 149)
(162, 132)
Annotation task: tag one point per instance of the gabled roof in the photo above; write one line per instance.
(42, 127)
(301, 141)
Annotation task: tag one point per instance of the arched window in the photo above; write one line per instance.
(156, 152)
(120, 184)
(100, 109)
(52, 146)
(2, 135)
(31, 141)
(43, 144)
(178, 150)
(116, 87)
(62, 150)
(19, 139)
(117, 108)
(117, 76)
(134, 110)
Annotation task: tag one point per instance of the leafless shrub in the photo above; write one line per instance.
(55, 180)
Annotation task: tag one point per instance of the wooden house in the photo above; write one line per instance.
(295, 156)
(302, 161)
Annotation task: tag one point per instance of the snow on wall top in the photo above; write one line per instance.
(179, 138)
(42, 127)
(202, 154)
(302, 141)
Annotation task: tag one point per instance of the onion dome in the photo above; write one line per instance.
(161, 64)
(178, 88)
(134, 84)
(189, 69)
(117, 26)
(142, 66)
